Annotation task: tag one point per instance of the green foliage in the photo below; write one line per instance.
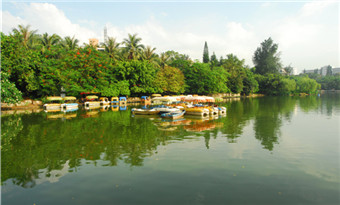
(202, 80)
(266, 58)
(170, 80)
(307, 85)
(9, 93)
(274, 84)
(250, 85)
(39, 68)
(139, 74)
(236, 69)
(327, 82)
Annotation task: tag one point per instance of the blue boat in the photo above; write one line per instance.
(173, 115)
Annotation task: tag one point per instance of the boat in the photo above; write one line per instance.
(104, 101)
(173, 115)
(92, 101)
(197, 111)
(222, 110)
(213, 110)
(114, 101)
(165, 109)
(165, 100)
(145, 100)
(122, 107)
(53, 104)
(138, 111)
(122, 101)
(70, 103)
(114, 107)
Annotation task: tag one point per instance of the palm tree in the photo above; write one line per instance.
(70, 43)
(164, 59)
(148, 53)
(112, 48)
(48, 41)
(133, 46)
(28, 36)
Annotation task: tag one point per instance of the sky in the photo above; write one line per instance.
(307, 32)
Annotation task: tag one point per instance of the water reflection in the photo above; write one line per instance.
(37, 147)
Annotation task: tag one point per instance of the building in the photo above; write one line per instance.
(335, 71)
(93, 42)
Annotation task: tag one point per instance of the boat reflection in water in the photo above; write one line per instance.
(104, 108)
(115, 108)
(122, 107)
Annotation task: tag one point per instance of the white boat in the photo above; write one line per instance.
(165, 100)
(197, 111)
(166, 109)
(222, 110)
(91, 102)
(138, 111)
(70, 103)
(53, 104)
(104, 101)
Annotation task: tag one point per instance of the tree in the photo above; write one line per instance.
(250, 85)
(28, 36)
(288, 70)
(170, 80)
(112, 48)
(205, 53)
(235, 68)
(213, 60)
(307, 85)
(133, 47)
(149, 53)
(9, 92)
(48, 41)
(70, 43)
(266, 59)
(164, 59)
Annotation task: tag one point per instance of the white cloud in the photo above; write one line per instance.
(48, 18)
(10, 22)
(309, 39)
(315, 7)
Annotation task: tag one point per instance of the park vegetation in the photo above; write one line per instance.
(38, 65)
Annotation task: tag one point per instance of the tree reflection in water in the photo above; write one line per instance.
(34, 142)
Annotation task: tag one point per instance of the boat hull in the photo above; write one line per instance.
(144, 112)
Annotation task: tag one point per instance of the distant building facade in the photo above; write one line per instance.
(93, 42)
(325, 70)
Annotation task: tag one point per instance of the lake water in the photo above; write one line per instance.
(269, 150)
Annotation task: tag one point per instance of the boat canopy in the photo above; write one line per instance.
(166, 99)
(54, 98)
(114, 99)
(145, 97)
(122, 98)
(103, 98)
(91, 97)
(156, 95)
(70, 98)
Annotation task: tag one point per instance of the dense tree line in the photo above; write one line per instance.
(35, 66)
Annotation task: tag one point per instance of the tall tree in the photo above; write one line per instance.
(164, 59)
(28, 36)
(133, 46)
(48, 41)
(70, 43)
(288, 70)
(112, 48)
(266, 58)
(205, 53)
(149, 53)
